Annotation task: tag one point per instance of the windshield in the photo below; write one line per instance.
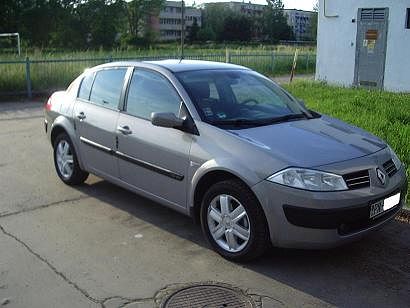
(239, 98)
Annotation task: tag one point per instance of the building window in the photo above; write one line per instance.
(408, 19)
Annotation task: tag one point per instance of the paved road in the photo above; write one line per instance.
(99, 245)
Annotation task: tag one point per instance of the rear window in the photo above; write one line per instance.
(107, 87)
(85, 87)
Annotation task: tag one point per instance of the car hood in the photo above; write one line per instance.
(310, 143)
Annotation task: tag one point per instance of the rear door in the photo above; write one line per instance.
(153, 159)
(96, 113)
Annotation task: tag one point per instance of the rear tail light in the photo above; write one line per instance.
(47, 106)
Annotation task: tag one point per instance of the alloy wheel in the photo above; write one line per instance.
(228, 223)
(65, 159)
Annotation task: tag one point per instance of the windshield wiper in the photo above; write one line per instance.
(307, 114)
(236, 122)
(281, 119)
(288, 117)
(260, 122)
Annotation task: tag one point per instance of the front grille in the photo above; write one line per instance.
(356, 180)
(390, 167)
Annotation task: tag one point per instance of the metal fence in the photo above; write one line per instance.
(28, 77)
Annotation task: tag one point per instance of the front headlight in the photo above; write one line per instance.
(309, 179)
(395, 159)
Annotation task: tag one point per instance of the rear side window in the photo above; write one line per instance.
(85, 87)
(150, 92)
(107, 87)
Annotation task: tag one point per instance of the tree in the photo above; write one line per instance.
(314, 21)
(36, 21)
(193, 31)
(10, 13)
(214, 16)
(206, 34)
(69, 31)
(139, 13)
(64, 23)
(274, 23)
(237, 28)
(101, 20)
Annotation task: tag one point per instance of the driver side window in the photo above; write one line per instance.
(151, 92)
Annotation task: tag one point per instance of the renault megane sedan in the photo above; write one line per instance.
(230, 148)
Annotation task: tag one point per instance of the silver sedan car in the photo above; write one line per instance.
(228, 147)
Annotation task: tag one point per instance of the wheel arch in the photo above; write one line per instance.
(63, 125)
(203, 180)
(57, 130)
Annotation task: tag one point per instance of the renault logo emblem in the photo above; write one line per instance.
(381, 176)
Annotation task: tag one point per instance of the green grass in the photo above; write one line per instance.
(386, 115)
(50, 76)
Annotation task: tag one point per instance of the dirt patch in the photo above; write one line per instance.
(404, 216)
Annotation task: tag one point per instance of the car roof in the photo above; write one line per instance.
(175, 65)
(193, 65)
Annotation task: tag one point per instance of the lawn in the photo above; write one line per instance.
(387, 115)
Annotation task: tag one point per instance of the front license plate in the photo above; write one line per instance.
(384, 205)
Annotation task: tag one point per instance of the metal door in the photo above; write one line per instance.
(152, 159)
(96, 132)
(371, 47)
(96, 116)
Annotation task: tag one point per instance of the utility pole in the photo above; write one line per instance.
(182, 28)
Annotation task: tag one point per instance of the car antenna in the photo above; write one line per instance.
(182, 30)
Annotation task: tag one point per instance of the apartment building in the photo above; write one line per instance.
(301, 23)
(247, 8)
(170, 19)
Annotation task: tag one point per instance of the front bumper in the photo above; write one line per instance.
(314, 220)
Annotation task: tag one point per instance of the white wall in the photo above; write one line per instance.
(337, 43)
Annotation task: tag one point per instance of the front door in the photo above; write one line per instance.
(153, 159)
(96, 113)
(371, 47)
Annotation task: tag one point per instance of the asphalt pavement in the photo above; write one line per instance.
(98, 245)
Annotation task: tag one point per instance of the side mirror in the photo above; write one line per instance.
(166, 119)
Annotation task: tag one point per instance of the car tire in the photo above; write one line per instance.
(66, 162)
(253, 227)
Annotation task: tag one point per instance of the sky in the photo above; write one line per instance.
(289, 4)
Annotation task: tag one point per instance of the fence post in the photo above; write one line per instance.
(307, 63)
(110, 58)
(227, 56)
(273, 62)
(28, 78)
(295, 62)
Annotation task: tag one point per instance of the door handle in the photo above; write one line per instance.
(124, 130)
(81, 115)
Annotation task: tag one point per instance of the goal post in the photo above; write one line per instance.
(17, 35)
